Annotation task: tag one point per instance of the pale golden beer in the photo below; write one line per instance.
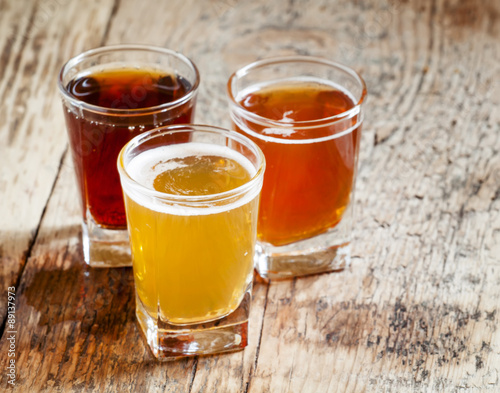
(192, 219)
(184, 258)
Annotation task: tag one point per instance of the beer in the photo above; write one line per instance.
(96, 141)
(310, 171)
(192, 221)
(305, 113)
(191, 264)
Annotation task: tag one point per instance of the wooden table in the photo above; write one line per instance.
(418, 309)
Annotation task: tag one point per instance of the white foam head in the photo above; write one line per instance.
(146, 166)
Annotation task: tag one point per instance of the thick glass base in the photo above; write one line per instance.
(170, 342)
(282, 265)
(105, 247)
(329, 251)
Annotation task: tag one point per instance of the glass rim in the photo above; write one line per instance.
(355, 110)
(126, 112)
(192, 199)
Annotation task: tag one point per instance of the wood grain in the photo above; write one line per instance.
(37, 38)
(417, 311)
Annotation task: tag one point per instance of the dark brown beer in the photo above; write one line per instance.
(123, 95)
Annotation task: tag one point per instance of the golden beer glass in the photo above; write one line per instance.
(191, 196)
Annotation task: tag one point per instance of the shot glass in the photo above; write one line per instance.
(110, 95)
(191, 196)
(305, 113)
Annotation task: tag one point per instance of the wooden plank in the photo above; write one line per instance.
(76, 340)
(76, 325)
(36, 38)
(416, 311)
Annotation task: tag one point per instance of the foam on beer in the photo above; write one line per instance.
(281, 134)
(145, 167)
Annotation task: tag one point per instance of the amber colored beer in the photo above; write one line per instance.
(310, 171)
(191, 264)
(96, 143)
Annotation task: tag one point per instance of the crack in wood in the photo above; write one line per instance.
(114, 10)
(257, 351)
(193, 374)
(32, 242)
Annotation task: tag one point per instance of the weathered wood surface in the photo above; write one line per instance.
(418, 309)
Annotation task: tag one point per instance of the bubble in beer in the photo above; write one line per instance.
(86, 89)
(169, 86)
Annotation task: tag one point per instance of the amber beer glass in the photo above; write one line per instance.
(110, 95)
(305, 114)
(191, 195)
